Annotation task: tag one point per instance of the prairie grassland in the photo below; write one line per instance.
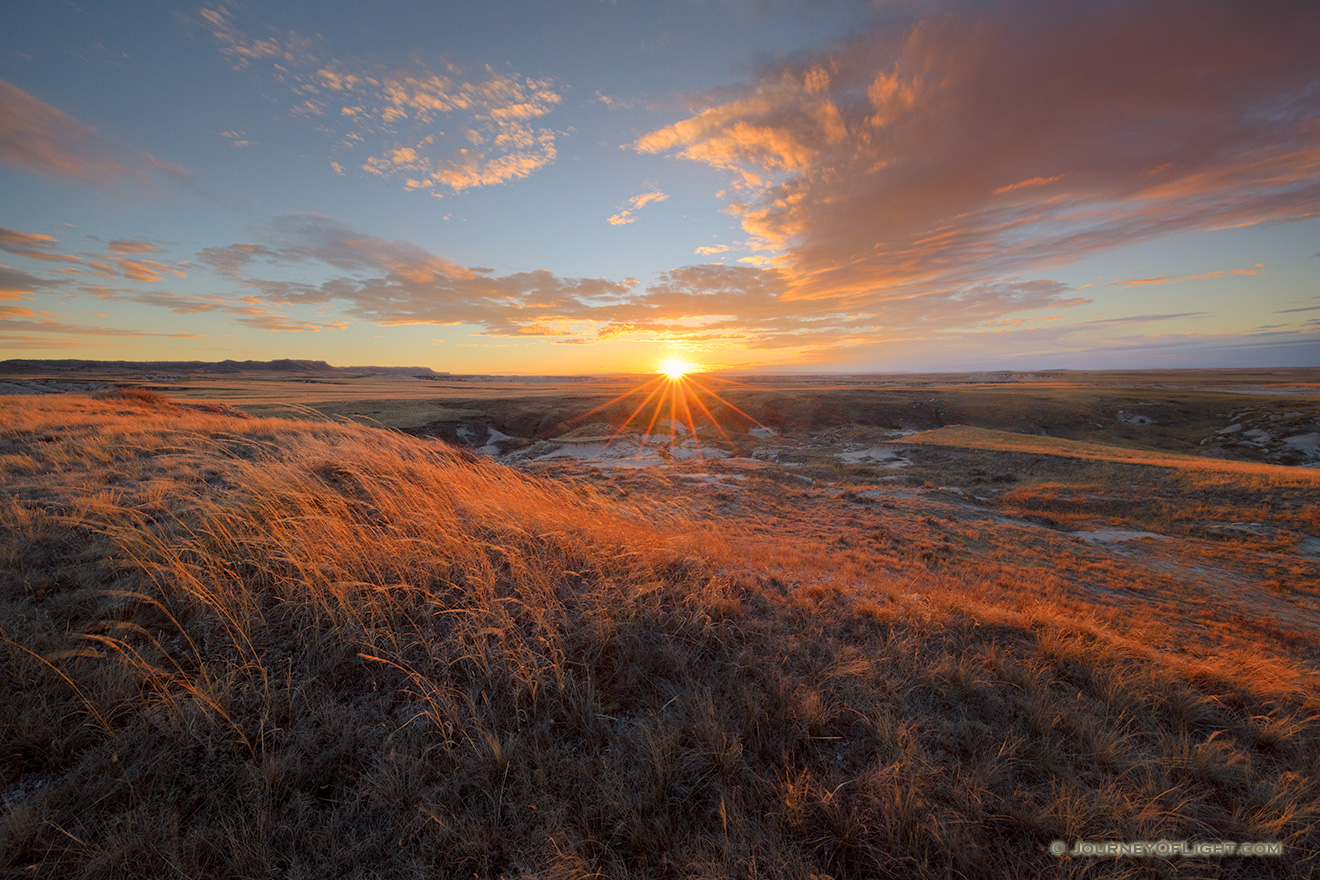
(268, 648)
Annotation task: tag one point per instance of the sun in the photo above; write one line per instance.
(674, 396)
(676, 368)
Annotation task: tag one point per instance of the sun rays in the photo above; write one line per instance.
(673, 405)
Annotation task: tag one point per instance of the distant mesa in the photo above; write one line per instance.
(28, 366)
(286, 367)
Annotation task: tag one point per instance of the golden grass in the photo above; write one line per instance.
(249, 647)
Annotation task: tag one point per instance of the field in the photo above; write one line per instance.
(317, 624)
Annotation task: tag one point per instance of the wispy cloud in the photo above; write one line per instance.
(231, 259)
(392, 282)
(120, 260)
(237, 139)
(32, 246)
(9, 238)
(38, 138)
(1178, 279)
(242, 49)
(983, 142)
(1130, 320)
(1023, 184)
(123, 260)
(122, 246)
(17, 321)
(493, 112)
(15, 285)
(148, 271)
(249, 311)
(490, 132)
(636, 203)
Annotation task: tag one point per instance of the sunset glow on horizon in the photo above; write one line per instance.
(578, 188)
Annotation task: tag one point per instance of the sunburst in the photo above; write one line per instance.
(676, 368)
(676, 394)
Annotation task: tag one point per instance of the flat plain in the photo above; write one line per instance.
(312, 622)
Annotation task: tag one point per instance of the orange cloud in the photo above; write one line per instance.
(1178, 279)
(10, 238)
(249, 311)
(241, 49)
(33, 246)
(119, 261)
(15, 320)
(38, 138)
(131, 247)
(148, 271)
(495, 110)
(922, 158)
(492, 110)
(774, 129)
(396, 283)
(473, 168)
(641, 201)
(1023, 184)
(635, 203)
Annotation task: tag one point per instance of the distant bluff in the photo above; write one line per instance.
(281, 365)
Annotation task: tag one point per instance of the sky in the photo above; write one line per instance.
(589, 186)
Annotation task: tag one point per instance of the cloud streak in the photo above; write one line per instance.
(119, 261)
(32, 246)
(241, 49)
(36, 137)
(18, 321)
(249, 311)
(1178, 279)
(39, 138)
(122, 261)
(15, 285)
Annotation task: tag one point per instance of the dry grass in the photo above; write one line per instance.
(269, 648)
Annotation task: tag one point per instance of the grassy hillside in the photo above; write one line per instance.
(263, 648)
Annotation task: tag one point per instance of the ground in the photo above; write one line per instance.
(830, 626)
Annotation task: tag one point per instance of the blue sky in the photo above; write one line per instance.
(593, 186)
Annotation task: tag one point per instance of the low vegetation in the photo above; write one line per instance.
(269, 648)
